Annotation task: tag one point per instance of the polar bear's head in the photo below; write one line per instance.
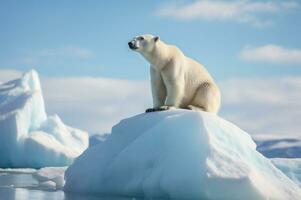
(143, 43)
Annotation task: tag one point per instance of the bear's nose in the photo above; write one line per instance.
(131, 45)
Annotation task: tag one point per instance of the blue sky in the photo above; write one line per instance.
(89, 38)
(92, 80)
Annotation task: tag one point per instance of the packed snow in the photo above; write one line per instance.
(178, 154)
(30, 138)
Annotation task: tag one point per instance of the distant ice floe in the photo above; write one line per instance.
(51, 178)
(30, 138)
(48, 178)
(278, 147)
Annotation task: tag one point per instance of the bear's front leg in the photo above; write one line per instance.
(158, 91)
(174, 95)
(173, 78)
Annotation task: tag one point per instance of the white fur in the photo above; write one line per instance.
(177, 81)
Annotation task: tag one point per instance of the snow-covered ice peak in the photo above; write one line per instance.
(28, 137)
(31, 81)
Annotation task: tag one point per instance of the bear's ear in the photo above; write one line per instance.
(156, 38)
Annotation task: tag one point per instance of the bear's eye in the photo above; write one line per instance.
(140, 38)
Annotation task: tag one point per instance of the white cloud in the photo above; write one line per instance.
(242, 11)
(8, 74)
(271, 54)
(264, 105)
(92, 104)
(95, 104)
(259, 106)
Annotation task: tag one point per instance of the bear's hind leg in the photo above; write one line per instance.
(207, 98)
(195, 108)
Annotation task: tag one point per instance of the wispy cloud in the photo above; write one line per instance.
(271, 54)
(67, 51)
(242, 11)
(59, 53)
(257, 105)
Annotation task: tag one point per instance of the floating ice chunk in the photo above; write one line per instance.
(178, 154)
(18, 170)
(28, 138)
(50, 177)
(47, 185)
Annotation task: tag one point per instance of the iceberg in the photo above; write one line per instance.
(178, 154)
(30, 138)
(97, 138)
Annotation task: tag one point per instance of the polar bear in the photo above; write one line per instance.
(177, 81)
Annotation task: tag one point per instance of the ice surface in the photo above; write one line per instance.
(291, 167)
(97, 138)
(28, 137)
(178, 154)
